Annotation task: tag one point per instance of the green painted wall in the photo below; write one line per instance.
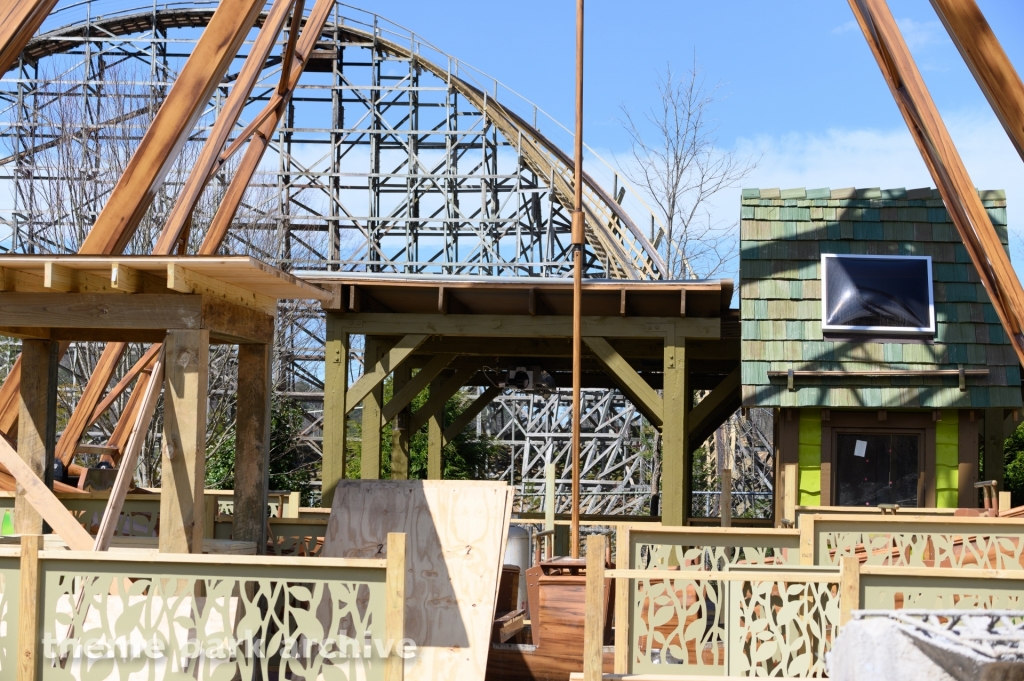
(810, 457)
(947, 459)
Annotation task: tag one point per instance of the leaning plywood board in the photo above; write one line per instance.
(456, 533)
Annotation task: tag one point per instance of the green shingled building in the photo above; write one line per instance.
(865, 325)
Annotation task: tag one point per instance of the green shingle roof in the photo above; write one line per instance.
(783, 233)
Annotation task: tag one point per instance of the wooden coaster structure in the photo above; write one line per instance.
(185, 304)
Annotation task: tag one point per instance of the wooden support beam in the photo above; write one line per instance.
(987, 60)
(525, 326)
(437, 400)
(370, 438)
(209, 160)
(252, 445)
(19, 21)
(710, 407)
(124, 278)
(143, 363)
(460, 422)
(388, 363)
(43, 501)
(37, 434)
(166, 136)
(943, 162)
(394, 604)
(183, 460)
(400, 436)
(633, 385)
(81, 416)
(130, 460)
(272, 114)
(66, 280)
(335, 426)
(405, 394)
(594, 617)
(30, 609)
(849, 588)
(435, 431)
(675, 478)
(187, 281)
(995, 439)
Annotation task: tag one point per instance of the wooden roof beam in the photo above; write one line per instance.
(19, 21)
(639, 392)
(947, 169)
(371, 379)
(174, 121)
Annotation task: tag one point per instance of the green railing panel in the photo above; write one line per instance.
(108, 618)
(938, 592)
(10, 589)
(984, 544)
(678, 627)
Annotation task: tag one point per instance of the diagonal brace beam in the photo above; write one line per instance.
(438, 398)
(388, 363)
(415, 386)
(463, 419)
(713, 401)
(636, 388)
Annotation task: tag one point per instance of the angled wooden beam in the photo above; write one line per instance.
(633, 385)
(19, 20)
(130, 460)
(438, 398)
(462, 420)
(44, 502)
(271, 116)
(81, 417)
(170, 130)
(209, 158)
(710, 408)
(371, 379)
(415, 386)
(987, 60)
(944, 163)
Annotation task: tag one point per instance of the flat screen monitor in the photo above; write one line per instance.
(882, 294)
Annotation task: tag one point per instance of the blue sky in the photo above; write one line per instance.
(797, 80)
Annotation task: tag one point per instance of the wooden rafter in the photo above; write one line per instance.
(988, 62)
(19, 20)
(944, 163)
(171, 127)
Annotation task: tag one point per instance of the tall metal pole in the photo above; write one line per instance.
(579, 239)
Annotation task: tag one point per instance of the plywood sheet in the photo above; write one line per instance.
(455, 533)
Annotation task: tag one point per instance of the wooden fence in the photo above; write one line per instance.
(105, 615)
(713, 601)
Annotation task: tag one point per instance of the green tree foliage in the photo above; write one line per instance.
(291, 469)
(465, 458)
(1013, 473)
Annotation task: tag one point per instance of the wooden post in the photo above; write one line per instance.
(369, 467)
(37, 430)
(435, 430)
(849, 587)
(335, 442)
(400, 435)
(807, 540)
(593, 624)
(674, 476)
(29, 641)
(252, 445)
(1005, 503)
(183, 461)
(791, 478)
(549, 497)
(622, 602)
(725, 500)
(995, 437)
(394, 607)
